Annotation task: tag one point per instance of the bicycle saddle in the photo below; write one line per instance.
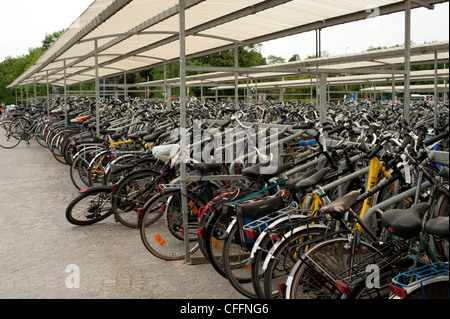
(153, 137)
(438, 226)
(205, 168)
(257, 170)
(405, 223)
(290, 185)
(115, 169)
(444, 172)
(341, 205)
(313, 180)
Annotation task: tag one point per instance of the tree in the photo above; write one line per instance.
(11, 68)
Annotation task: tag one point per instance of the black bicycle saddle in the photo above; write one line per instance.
(405, 223)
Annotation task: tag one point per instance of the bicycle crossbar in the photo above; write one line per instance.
(259, 192)
(441, 158)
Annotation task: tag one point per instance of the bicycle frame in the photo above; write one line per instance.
(376, 167)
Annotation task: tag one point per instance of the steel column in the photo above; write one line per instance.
(407, 90)
(97, 90)
(183, 126)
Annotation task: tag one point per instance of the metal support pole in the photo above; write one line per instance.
(125, 84)
(323, 98)
(65, 95)
(407, 90)
(165, 86)
(48, 96)
(184, 205)
(236, 76)
(436, 90)
(393, 89)
(169, 97)
(97, 90)
(35, 92)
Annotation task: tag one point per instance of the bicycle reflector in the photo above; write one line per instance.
(83, 190)
(398, 291)
(250, 233)
(276, 237)
(140, 210)
(113, 187)
(343, 287)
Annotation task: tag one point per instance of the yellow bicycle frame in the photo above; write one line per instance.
(374, 171)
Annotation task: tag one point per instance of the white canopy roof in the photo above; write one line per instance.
(140, 34)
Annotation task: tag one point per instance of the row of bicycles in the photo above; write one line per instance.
(354, 208)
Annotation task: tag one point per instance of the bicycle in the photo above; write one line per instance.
(12, 132)
(161, 222)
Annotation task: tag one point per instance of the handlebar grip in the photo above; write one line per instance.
(302, 127)
(407, 140)
(437, 138)
(224, 125)
(337, 129)
(375, 151)
(363, 147)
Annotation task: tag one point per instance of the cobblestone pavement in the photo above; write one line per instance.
(40, 249)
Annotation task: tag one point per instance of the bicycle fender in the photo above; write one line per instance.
(96, 189)
(264, 234)
(286, 236)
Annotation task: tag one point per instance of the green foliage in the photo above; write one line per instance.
(11, 68)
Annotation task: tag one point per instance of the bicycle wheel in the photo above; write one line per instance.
(10, 134)
(215, 227)
(284, 258)
(315, 275)
(440, 245)
(97, 167)
(41, 134)
(55, 147)
(92, 206)
(131, 193)
(436, 288)
(162, 228)
(235, 258)
(79, 170)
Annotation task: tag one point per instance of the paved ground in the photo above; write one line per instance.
(40, 251)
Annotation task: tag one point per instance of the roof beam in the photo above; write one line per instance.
(423, 4)
(101, 18)
(205, 26)
(173, 11)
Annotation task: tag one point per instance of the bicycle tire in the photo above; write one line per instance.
(132, 192)
(436, 288)
(91, 206)
(235, 258)
(40, 135)
(161, 226)
(441, 245)
(10, 137)
(79, 172)
(284, 258)
(56, 148)
(309, 281)
(214, 228)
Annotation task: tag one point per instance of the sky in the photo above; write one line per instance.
(25, 23)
